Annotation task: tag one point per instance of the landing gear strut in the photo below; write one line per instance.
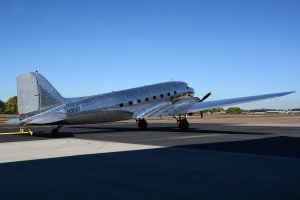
(142, 123)
(55, 131)
(182, 123)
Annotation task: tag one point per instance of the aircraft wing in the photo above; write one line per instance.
(149, 111)
(227, 102)
(190, 105)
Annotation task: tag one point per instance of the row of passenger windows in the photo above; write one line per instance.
(147, 99)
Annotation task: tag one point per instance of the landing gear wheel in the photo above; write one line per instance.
(142, 123)
(183, 124)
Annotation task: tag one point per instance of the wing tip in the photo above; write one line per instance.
(290, 92)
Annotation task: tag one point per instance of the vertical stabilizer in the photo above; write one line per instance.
(35, 93)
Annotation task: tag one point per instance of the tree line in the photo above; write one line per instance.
(230, 110)
(9, 107)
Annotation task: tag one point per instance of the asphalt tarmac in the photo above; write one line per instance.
(234, 158)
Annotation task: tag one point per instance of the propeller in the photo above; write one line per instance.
(201, 100)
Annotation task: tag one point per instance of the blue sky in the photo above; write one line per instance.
(232, 48)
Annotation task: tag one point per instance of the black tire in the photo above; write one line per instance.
(142, 124)
(184, 125)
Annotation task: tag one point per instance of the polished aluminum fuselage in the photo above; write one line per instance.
(40, 103)
(125, 104)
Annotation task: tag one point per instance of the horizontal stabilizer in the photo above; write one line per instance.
(12, 121)
(48, 117)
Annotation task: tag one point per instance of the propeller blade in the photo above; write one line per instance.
(206, 96)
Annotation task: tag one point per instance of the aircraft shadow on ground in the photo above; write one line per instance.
(136, 174)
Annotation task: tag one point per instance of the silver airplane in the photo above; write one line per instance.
(40, 103)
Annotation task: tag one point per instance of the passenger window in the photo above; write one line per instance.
(121, 104)
(161, 95)
(154, 97)
(168, 94)
(147, 99)
(130, 103)
(139, 101)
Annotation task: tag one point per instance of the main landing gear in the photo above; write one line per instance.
(142, 123)
(182, 123)
(55, 131)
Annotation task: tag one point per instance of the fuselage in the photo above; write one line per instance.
(125, 104)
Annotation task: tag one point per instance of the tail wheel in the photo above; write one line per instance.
(55, 131)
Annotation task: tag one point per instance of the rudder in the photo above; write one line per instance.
(35, 93)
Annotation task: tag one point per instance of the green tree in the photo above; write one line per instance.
(234, 110)
(11, 106)
(2, 107)
(214, 110)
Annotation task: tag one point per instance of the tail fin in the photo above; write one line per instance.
(35, 93)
